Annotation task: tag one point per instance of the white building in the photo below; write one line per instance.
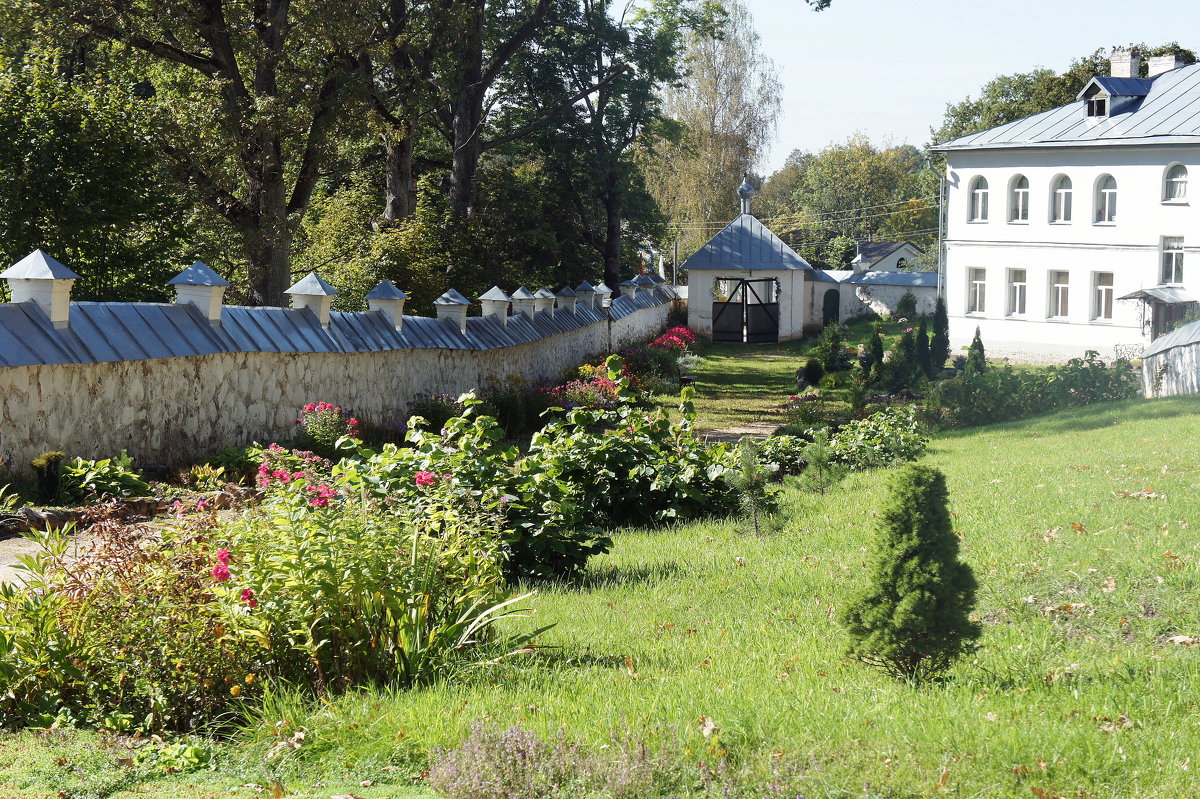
(1077, 229)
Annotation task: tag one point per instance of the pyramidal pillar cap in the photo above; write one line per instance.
(495, 303)
(523, 301)
(388, 300)
(40, 279)
(453, 305)
(543, 300)
(200, 286)
(312, 292)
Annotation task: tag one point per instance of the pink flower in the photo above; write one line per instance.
(248, 598)
(220, 572)
(310, 407)
(319, 502)
(223, 557)
(425, 478)
(264, 481)
(297, 475)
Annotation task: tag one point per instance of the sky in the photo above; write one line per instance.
(888, 68)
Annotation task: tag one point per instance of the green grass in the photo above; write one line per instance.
(1074, 692)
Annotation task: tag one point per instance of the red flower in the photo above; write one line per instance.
(425, 478)
(248, 598)
(223, 557)
(220, 572)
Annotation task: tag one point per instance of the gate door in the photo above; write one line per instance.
(748, 312)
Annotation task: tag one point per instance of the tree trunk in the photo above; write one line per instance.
(613, 207)
(467, 111)
(400, 186)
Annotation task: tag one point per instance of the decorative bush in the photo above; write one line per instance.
(434, 409)
(812, 372)
(786, 452)
(939, 344)
(976, 356)
(881, 439)
(831, 350)
(48, 468)
(598, 392)
(906, 306)
(914, 619)
(322, 425)
(108, 478)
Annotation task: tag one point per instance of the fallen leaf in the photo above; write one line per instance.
(707, 726)
(1110, 585)
(1183, 640)
(277, 790)
(1077, 527)
(629, 667)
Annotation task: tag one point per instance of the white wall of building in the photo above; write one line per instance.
(1129, 248)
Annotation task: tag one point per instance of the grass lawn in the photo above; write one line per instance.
(1074, 692)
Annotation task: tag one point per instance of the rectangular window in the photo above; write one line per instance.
(1059, 286)
(1172, 259)
(1096, 107)
(1016, 292)
(1062, 205)
(976, 290)
(1103, 296)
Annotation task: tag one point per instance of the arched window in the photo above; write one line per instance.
(901, 263)
(978, 200)
(1175, 183)
(1018, 199)
(1060, 199)
(1106, 199)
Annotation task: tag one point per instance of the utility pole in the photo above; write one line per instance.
(675, 265)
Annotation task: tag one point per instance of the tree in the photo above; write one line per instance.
(939, 347)
(914, 619)
(839, 252)
(1007, 98)
(923, 360)
(725, 113)
(976, 357)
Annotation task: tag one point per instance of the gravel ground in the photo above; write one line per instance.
(14, 547)
(1040, 354)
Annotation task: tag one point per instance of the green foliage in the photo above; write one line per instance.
(914, 619)
(435, 409)
(872, 363)
(813, 371)
(939, 346)
(786, 452)
(976, 356)
(924, 362)
(831, 349)
(48, 467)
(323, 425)
(107, 478)
(901, 369)
(1001, 394)
(824, 469)
(839, 252)
(751, 481)
(906, 306)
(882, 439)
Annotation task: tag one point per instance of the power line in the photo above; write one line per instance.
(842, 215)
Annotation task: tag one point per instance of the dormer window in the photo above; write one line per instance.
(1097, 107)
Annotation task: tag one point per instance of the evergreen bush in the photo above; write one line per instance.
(813, 372)
(914, 619)
(939, 347)
(906, 306)
(924, 361)
(976, 357)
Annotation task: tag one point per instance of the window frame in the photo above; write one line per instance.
(1175, 183)
(977, 189)
(1059, 296)
(1018, 200)
(1103, 296)
(1097, 107)
(1062, 200)
(1173, 254)
(1105, 200)
(1012, 294)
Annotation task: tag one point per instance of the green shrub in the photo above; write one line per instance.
(824, 469)
(914, 619)
(906, 306)
(883, 438)
(108, 478)
(322, 425)
(901, 369)
(812, 372)
(786, 452)
(238, 463)
(976, 356)
(924, 361)
(831, 350)
(751, 483)
(939, 345)
(434, 409)
(48, 468)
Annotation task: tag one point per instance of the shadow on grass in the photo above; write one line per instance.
(1092, 417)
(618, 577)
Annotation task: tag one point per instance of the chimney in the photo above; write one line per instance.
(522, 301)
(587, 294)
(390, 300)
(1163, 63)
(1124, 64)
(495, 303)
(201, 287)
(567, 299)
(453, 305)
(40, 279)
(543, 300)
(315, 294)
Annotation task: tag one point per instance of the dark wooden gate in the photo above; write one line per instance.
(831, 306)
(750, 313)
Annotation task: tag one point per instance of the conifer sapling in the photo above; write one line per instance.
(914, 619)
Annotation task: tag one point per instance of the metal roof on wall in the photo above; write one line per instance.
(122, 331)
(894, 278)
(1179, 337)
(1169, 114)
(745, 243)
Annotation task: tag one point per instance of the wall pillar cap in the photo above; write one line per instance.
(198, 274)
(452, 297)
(496, 294)
(312, 285)
(38, 265)
(386, 290)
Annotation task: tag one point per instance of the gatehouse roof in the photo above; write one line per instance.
(745, 243)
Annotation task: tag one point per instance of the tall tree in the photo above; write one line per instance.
(726, 108)
(251, 89)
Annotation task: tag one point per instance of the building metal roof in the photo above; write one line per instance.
(38, 266)
(869, 252)
(745, 243)
(1119, 87)
(1179, 337)
(1169, 114)
(124, 331)
(828, 275)
(1168, 294)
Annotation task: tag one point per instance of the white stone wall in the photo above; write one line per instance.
(859, 299)
(1173, 372)
(174, 409)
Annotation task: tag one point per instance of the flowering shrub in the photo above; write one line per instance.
(322, 425)
(891, 436)
(595, 392)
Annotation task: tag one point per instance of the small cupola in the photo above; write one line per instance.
(522, 301)
(313, 293)
(40, 279)
(745, 192)
(390, 301)
(495, 303)
(453, 305)
(586, 293)
(199, 285)
(603, 292)
(543, 300)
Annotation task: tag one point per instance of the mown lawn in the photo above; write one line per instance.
(1074, 692)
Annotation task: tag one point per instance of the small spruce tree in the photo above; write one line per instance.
(924, 362)
(813, 372)
(914, 619)
(875, 351)
(939, 347)
(902, 365)
(976, 357)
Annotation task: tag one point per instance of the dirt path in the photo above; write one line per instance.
(733, 434)
(12, 548)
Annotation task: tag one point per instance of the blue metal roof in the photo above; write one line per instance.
(894, 279)
(745, 243)
(1121, 87)
(122, 331)
(198, 274)
(1169, 114)
(1179, 337)
(312, 284)
(386, 290)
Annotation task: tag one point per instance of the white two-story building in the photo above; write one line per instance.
(1079, 228)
